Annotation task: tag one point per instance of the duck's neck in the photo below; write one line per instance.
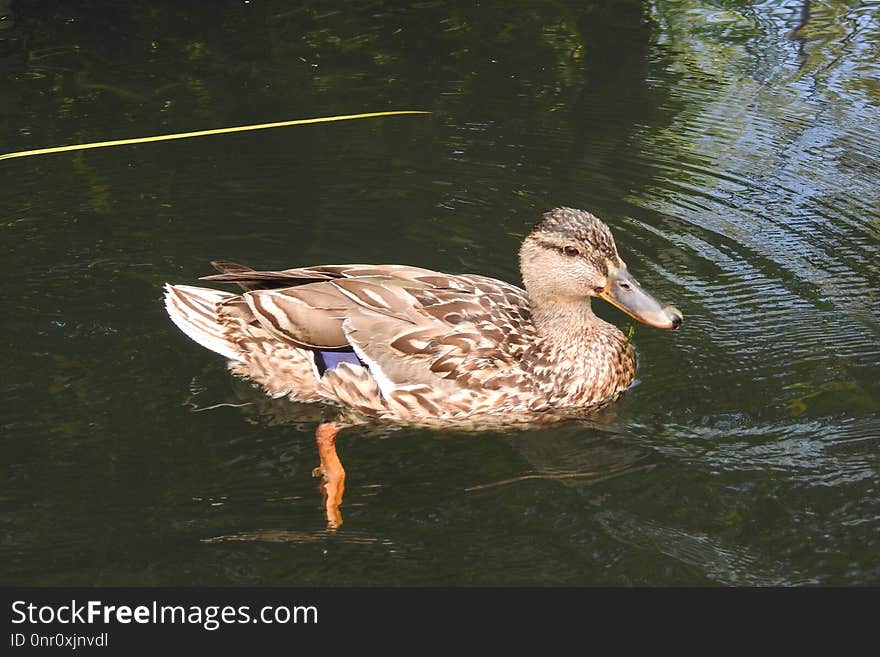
(589, 358)
(566, 323)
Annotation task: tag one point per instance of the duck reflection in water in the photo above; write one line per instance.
(576, 453)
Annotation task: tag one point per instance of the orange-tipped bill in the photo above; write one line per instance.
(624, 291)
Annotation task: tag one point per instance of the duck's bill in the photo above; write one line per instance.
(624, 291)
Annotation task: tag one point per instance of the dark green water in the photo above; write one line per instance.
(732, 147)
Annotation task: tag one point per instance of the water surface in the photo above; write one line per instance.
(731, 146)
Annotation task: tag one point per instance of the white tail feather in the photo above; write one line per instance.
(194, 310)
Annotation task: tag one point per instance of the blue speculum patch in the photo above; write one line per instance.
(328, 360)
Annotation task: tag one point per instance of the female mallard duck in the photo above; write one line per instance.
(405, 344)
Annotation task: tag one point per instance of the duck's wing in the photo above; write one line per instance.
(462, 333)
(410, 325)
(251, 279)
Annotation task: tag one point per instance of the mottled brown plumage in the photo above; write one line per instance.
(436, 348)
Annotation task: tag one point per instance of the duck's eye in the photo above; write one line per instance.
(571, 251)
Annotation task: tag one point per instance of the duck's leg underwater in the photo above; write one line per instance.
(331, 470)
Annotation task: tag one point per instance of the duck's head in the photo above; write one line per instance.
(570, 255)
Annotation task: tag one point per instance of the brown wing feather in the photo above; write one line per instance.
(250, 279)
(457, 336)
(312, 315)
(413, 326)
(308, 316)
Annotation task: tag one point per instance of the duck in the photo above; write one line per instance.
(408, 345)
